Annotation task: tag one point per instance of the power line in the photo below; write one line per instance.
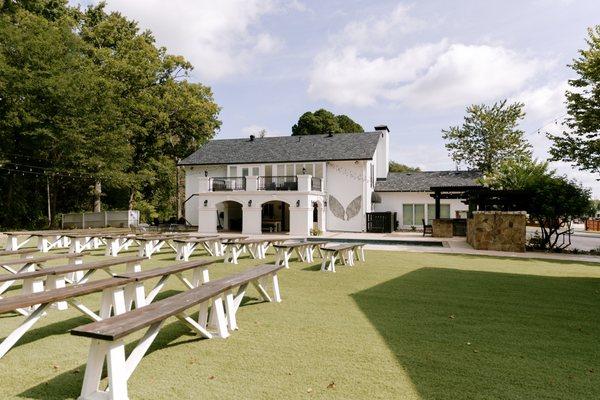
(46, 170)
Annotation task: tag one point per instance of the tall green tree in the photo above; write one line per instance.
(488, 136)
(551, 201)
(397, 167)
(94, 109)
(323, 122)
(580, 142)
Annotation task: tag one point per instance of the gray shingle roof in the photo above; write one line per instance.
(423, 180)
(281, 149)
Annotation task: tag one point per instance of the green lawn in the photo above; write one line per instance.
(401, 326)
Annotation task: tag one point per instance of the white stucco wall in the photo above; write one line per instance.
(346, 180)
(393, 201)
(192, 175)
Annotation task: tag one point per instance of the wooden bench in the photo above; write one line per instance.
(119, 293)
(24, 253)
(304, 250)
(19, 266)
(185, 247)
(344, 251)
(107, 335)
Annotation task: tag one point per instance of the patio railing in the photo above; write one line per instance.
(277, 183)
(228, 184)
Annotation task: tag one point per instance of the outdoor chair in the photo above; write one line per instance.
(427, 229)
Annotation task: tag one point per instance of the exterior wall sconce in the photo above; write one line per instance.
(205, 173)
(325, 203)
(303, 171)
(205, 203)
(249, 203)
(297, 203)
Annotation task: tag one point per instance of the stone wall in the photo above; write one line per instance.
(497, 230)
(442, 227)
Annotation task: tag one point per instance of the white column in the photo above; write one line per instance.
(207, 219)
(251, 220)
(301, 217)
(251, 183)
(304, 183)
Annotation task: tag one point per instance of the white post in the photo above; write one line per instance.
(304, 183)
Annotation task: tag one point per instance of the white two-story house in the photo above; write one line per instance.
(298, 183)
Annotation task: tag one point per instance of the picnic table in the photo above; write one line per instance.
(15, 267)
(150, 244)
(46, 240)
(185, 246)
(107, 336)
(119, 293)
(344, 251)
(304, 250)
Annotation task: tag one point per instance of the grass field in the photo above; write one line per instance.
(400, 326)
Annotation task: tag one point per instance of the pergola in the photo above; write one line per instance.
(451, 192)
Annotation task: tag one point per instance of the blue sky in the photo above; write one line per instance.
(411, 65)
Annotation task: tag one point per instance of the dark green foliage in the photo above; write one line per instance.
(580, 142)
(86, 97)
(489, 135)
(551, 201)
(397, 167)
(323, 122)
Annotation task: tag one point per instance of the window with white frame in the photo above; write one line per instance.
(444, 212)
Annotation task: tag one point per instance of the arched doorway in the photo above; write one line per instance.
(318, 216)
(275, 216)
(229, 216)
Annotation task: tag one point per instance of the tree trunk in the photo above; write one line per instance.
(97, 194)
(131, 198)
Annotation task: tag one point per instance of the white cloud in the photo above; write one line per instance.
(466, 74)
(438, 75)
(347, 78)
(375, 33)
(221, 38)
(544, 102)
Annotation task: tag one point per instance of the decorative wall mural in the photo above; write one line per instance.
(337, 209)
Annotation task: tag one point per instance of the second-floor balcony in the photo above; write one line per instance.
(228, 184)
(277, 183)
(266, 183)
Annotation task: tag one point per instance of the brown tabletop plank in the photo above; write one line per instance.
(68, 268)
(172, 269)
(341, 246)
(26, 250)
(41, 258)
(54, 295)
